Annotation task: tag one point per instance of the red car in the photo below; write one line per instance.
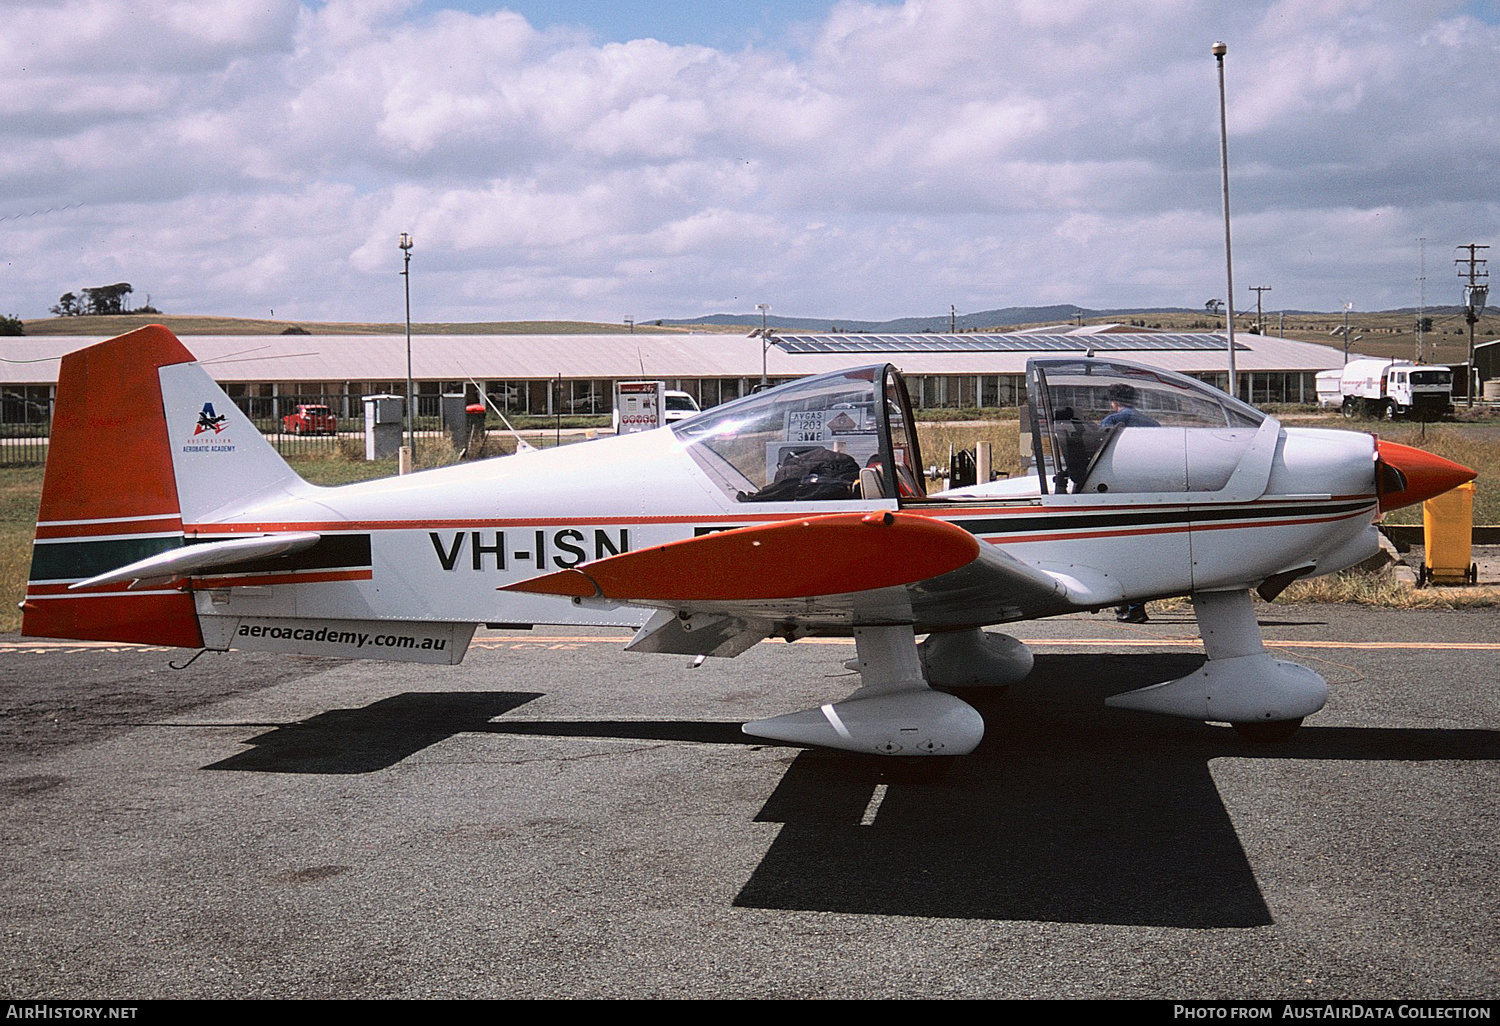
(310, 420)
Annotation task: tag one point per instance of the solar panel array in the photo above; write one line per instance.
(1001, 343)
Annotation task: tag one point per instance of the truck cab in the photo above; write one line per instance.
(1395, 388)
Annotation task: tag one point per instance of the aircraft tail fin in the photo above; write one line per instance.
(142, 442)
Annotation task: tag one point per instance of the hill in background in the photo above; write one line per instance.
(1389, 333)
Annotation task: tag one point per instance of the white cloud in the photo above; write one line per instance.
(236, 157)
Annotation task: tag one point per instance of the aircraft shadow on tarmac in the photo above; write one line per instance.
(375, 737)
(1067, 812)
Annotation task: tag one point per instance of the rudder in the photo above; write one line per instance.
(109, 496)
(144, 446)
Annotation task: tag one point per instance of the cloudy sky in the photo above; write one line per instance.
(604, 158)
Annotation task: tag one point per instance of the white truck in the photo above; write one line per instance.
(1388, 389)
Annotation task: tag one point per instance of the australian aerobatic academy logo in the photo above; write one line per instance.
(213, 424)
(207, 421)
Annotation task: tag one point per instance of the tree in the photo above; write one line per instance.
(67, 306)
(11, 326)
(1213, 306)
(108, 299)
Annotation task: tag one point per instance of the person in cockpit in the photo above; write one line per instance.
(1122, 400)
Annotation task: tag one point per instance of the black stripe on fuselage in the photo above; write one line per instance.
(69, 561)
(79, 560)
(1126, 517)
(330, 552)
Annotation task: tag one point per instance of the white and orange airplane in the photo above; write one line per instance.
(166, 518)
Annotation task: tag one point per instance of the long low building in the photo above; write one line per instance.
(548, 374)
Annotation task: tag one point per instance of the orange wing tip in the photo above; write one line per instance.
(1424, 475)
(569, 583)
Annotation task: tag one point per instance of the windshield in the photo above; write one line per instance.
(1080, 406)
(1432, 377)
(681, 402)
(808, 440)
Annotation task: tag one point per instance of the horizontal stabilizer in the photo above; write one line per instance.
(192, 560)
(841, 553)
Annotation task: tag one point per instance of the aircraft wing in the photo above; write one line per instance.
(719, 593)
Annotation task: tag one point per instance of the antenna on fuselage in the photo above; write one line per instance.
(521, 444)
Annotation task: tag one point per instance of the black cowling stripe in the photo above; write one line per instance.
(1125, 518)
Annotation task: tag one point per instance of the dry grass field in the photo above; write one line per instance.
(189, 324)
(1386, 334)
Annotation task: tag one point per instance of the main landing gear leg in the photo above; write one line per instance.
(1264, 698)
(894, 713)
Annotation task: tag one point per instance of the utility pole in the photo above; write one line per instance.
(630, 323)
(952, 319)
(1260, 325)
(1220, 50)
(1421, 296)
(1476, 293)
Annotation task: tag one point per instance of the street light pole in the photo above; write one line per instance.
(764, 344)
(1219, 50)
(411, 413)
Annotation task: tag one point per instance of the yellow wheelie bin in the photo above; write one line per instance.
(1448, 533)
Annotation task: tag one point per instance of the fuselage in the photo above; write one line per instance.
(445, 540)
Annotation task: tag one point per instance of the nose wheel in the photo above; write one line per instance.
(1264, 698)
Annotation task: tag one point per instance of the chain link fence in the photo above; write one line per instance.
(296, 425)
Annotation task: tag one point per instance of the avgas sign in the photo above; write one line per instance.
(639, 405)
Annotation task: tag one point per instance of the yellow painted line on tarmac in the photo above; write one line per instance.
(53, 647)
(48, 647)
(1447, 646)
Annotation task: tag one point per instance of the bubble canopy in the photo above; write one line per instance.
(1080, 406)
(843, 436)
